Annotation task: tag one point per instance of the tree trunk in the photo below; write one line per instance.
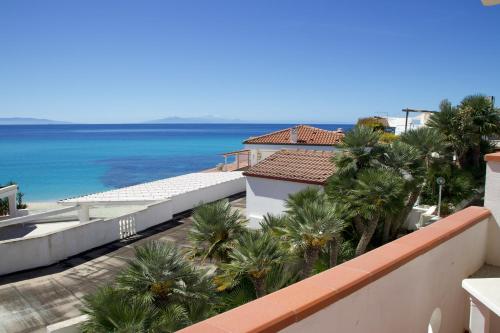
(461, 159)
(366, 237)
(334, 250)
(403, 215)
(476, 156)
(310, 257)
(358, 225)
(387, 228)
(259, 286)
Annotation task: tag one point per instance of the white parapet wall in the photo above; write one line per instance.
(492, 201)
(42, 250)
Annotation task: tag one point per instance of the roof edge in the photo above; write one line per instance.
(289, 179)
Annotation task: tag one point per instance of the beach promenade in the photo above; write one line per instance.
(33, 299)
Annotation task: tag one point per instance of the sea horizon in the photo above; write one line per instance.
(56, 161)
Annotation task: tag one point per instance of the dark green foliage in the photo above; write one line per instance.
(4, 203)
(216, 227)
(158, 291)
(255, 255)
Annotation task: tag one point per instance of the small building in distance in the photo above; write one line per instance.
(300, 137)
(399, 123)
(272, 180)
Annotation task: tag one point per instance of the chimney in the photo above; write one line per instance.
(293, 134)
(340, 130)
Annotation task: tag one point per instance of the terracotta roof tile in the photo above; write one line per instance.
(304, 166)
(306, 135)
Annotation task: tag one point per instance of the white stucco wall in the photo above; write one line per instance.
(268, 196)
(268, 150)
(492, 201)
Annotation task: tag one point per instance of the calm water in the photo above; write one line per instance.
(54, 162)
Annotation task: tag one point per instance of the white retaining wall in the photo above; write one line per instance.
(43, 250)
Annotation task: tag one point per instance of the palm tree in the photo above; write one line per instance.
(110, 311)
(301, 198)
(216, 226)
(256, 254)
(377, 192)
(429, 142)
(311, 227)
(479, 119)
(160, 276)
(410, 163)
(311, 195)
(159, 291)
(466, 126)
(360, 149)
(273, 224)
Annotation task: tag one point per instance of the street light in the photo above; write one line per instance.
(440, 181)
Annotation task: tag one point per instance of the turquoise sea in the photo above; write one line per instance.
(52, 162)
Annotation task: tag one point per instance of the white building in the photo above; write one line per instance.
(400, 123)
(301, 137)
(269, 182)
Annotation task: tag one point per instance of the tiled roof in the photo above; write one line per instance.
(303, 166)
(306, 135)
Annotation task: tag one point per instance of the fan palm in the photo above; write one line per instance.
(465, 126)
(256, 254)
(159, 275)
(216, 226)
(111, 310)
(479, 119)
(310, 228)
(409, 162)
(311, 195)
(301, 198)
(377, 192)
(273, 224)
(427, 140)
(360, 149)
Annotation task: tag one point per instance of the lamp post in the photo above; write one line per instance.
(440, 181)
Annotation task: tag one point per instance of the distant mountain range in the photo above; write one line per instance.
(29, 121)
(195, 120)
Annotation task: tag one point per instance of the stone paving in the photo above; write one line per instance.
(29, 301)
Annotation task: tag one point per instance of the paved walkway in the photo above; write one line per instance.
(30, 301)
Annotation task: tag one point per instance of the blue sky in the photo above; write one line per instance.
(273, 61)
